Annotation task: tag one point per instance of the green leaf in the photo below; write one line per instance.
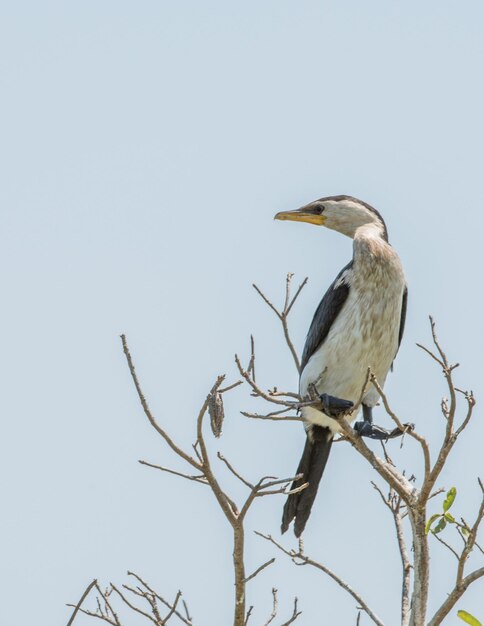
(431, 521)
(468, 618)
(449, 518)
(440, 526)
(449, 500)
(465, 532)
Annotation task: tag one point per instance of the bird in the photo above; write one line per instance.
(358, 324)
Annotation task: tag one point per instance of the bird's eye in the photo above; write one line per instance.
(321, 208)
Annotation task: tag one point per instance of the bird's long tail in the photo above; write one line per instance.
(311, 466)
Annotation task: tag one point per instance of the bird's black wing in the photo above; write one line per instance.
(326, 314)
(403, 315)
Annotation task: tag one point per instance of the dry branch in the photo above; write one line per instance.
(283, 315)
(235, 515)
(299, 558)
(407, 499)
(81, 600)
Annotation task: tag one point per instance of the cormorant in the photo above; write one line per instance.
(358, 324)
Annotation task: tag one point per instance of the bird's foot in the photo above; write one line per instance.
(367, 429)
(335, 407)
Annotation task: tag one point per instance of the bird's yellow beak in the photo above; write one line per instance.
(306, 214)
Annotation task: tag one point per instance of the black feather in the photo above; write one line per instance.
(403, 315)
(311, 466)
(325, 315)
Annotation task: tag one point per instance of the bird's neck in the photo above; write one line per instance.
(369, 243)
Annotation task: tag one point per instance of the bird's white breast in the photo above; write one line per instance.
(364, 335)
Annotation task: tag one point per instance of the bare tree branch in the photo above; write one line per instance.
(448, 546)
(230, 387)
(294, 616)
(283, 315)
(288, 308)
(454, 596)
(81, 600)
(99, 615)
(406, 498)
(148, 413)
(132, 606)
(301, 559)
(186, 620)
(394, 503)
(198, 479)
(234, 472)
(411, 432)
(173, 609)
(275, 417)
(259, 569)
(257, 390)
(273, 614)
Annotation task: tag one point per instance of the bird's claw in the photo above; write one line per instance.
(335, 407)
(366, 429)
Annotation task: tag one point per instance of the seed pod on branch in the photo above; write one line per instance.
(216, 412)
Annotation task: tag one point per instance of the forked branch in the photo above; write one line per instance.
(299, 558)
(407, 499)
(268, 485)
(284, 313)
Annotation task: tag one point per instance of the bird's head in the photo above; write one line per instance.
(342, 213)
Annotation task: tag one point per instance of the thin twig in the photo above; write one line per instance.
(100, 615)
(411, 432)
(187, 620)
(230, 387)
(294, 616)
(471, 403)
(251, 368)
(263, 488)
(301, 559)
(449, 410)
(234, 472)
(266, 300)
(107, 604)
(187, 613)
(81, 600)
(296, 295)
(148, 412)
(173, 609)
(454, 596)
(273, 614)
(260, 392)
(132, 606)
(444, 543)
(289, 394)
(198, 479)
(259, 569)
(283, 315)
(274, 417)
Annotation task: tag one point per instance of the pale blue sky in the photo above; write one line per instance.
(145, 147)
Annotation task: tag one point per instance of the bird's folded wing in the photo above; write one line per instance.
(326, 313)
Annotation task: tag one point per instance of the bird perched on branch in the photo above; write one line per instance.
(358, 325)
